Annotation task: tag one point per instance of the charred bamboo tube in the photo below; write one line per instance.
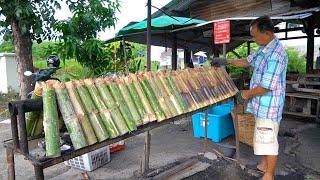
(183, 104)
(185, 92)
(91, 110)
(115, 91)
(102, 108)
(137, 101)
(219, 85)
(151, 97)
(69, 116)
(82, 117)
(232, 87)
(129, 101)
(168, 91)
(205, 82)
(150, 115)
(50, 121)
(112, 106)
(214, 84)
(202, 82)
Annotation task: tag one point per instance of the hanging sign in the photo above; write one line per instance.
(221, 32)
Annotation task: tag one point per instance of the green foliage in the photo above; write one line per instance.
(296, 62)
(7, 46)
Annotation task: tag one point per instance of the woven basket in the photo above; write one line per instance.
(245, 123)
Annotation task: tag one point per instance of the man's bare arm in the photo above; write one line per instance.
(239, 62)
(257, 91)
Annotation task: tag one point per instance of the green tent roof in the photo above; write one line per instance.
(160, 23)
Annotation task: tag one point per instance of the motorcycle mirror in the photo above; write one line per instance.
(27, 73)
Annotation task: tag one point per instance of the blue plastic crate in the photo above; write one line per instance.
(220, 124)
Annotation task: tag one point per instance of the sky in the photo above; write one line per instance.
(131, 10)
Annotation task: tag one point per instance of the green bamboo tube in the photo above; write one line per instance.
(82, 117)
(129, 101)
(112, 106)
(102, 108)
(173, 99)
(137, 101)
(169, 103)
(115, 91)
(150, 115)
(162, 101)
(32, 118)
(93, 114)
(178, 96)
(38, 127)
(69, 116)
(50, 121)
(151, 97)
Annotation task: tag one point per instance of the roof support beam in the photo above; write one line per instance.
(310, 45)
(174, 57)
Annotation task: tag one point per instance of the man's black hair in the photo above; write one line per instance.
(263, 23)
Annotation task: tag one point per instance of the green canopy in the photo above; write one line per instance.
(160, 23)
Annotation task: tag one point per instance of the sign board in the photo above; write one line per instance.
(221, 32)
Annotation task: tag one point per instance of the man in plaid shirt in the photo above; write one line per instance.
(267, 92)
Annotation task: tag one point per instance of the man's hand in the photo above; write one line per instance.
(241, 97)
(239, 62)
(217, 62)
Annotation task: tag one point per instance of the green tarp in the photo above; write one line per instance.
(160, 23)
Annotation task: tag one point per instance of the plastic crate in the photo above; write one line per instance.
(220, 124)
(91, 160)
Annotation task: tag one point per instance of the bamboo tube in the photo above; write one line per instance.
(185, 92)
(151, 97)
(112, 106)
(205, 82)
(150, 115)
(115, 91)
(183, 104)
(33, 117)
(218, 83)
(232, 87)
(201, 87)
(162, 101)
(219, 93)
(94, 116)
(137, 100)
(102, 108)
(38, 127)
(82, 117)
(173, 99)
(129, 101)
(169, 100)
(50, 121)
(69, 116)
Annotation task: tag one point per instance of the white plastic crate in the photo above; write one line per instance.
(91, 160)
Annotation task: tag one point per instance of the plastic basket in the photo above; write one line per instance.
(91, 160)
(245, 123)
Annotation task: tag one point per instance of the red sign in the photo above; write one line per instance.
(221, 32)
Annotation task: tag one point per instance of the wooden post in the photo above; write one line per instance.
(224, 50)
(146, 157)
(115, 58)
(10, 163)
(125, 57)
(310, 45)
(187, 58)
(174, 57)
(248, 48)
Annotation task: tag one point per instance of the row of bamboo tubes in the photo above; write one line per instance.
(94, 110)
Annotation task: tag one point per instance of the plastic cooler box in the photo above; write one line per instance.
(220, 124)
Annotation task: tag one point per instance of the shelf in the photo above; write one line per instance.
(299, 114)
(303, 95)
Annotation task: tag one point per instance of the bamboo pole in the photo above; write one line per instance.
(33, 118)
(69, 116)
(50, 121)
(82, 116)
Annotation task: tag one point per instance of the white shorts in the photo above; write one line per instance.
(265, 139)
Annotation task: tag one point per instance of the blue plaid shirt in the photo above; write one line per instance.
(269, 71)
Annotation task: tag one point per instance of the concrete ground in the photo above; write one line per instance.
(299, 154)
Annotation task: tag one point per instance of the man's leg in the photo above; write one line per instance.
(262, 166)
(271, 167)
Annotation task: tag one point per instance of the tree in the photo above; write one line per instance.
(27, 20)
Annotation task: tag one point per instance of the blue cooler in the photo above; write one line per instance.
(220, 124)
